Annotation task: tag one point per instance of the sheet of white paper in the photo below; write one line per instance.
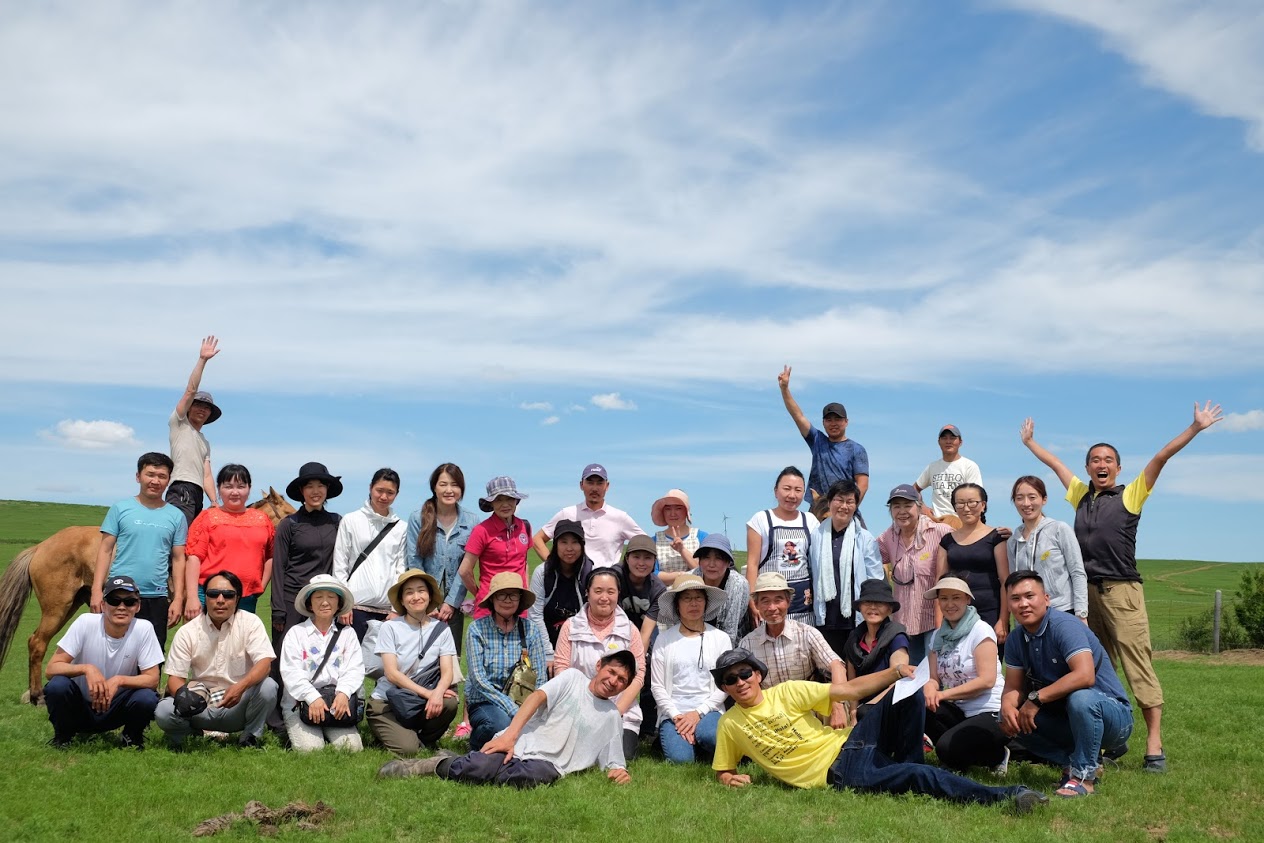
(907, 687)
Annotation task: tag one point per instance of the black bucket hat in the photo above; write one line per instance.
(877, 591)
(313, 471)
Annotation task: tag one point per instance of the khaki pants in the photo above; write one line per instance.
(1117, 615)
(400, 739)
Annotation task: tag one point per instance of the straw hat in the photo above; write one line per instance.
(436, 593)
(507, 581)
(667, 613)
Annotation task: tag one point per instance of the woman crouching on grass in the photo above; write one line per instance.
(317, 654)
(602, 628)
(963, 694)
(879, 643)
(414, 703)
(497, 642)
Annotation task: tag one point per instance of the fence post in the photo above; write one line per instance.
(1215, 626)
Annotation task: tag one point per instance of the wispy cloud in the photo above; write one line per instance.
(97, 435)
(1242, 422)
(550, 420)
(543, 406)
(612, 401)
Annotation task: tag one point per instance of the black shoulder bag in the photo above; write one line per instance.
(355, 706)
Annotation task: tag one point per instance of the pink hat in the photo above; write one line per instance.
(672, 496)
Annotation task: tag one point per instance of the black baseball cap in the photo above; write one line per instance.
(120, 583)
(834, 409)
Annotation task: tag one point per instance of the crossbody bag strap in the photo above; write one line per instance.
(329, 650)
(439, 625)
(364, 554)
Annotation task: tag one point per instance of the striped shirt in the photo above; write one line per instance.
(913, 572)
(799, 652)
(491, 656)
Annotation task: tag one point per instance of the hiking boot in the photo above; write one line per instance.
(407, 768)
(1026, 799)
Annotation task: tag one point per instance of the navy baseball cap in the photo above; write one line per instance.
(594, 469)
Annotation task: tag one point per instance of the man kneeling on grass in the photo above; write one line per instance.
(776, 727)
(566, 725)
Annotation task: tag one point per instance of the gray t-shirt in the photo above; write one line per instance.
(189, 450)
(86, 642)
(404, 641)
(575, 729)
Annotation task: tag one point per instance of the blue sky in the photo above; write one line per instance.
(524, 237)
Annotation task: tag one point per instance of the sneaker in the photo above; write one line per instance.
(249, 741)
(463, 730)
(1154, 763)
(58, 742)
(222, 737)
(1026, 799)
(1002, 768)
(928, 745)
(407, 768)
(126, 741)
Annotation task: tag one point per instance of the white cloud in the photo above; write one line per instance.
(612, 401)
(1231, 478)
(1208, 53)
(543, 406)
(92, 435)
(550, 420)
(577, 408)
(1242, 422)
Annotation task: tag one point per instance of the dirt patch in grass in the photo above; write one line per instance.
(1254, 658)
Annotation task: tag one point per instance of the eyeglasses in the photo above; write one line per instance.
(119, 600)
(967, 504)
(739, 676)
(226, 593)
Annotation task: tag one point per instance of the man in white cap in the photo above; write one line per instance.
(190, 451)
(792, 650)
(947, 473)
(606, 528)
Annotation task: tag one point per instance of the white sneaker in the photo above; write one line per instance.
(1002, 768)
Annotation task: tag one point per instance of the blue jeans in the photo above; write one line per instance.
(886, 732)
(1074, 735)
(70, 710)
(678, 750)
(486, 719)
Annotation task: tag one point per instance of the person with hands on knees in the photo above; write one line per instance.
(191, 453)
(322, 671)
(143, 538)
(104, 672)
(1061, 692)
(217, 670)
(963, 694)
(688, 704)
(567, 725)
(779, 729)
(414, 702)
(1106, 518)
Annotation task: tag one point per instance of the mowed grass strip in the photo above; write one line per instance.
(1215, 789)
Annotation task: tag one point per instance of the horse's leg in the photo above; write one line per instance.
(53, 616)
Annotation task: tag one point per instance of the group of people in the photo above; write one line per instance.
(619, 635)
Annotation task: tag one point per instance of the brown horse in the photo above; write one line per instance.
(60, 570)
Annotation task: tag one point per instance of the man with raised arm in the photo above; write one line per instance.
(834, 456)
(1106, 519)
(192, 476)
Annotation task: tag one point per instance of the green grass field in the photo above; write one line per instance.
(1215, 789)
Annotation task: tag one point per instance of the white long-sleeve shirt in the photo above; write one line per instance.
(382, 568)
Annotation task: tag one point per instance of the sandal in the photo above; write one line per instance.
(1074, 788)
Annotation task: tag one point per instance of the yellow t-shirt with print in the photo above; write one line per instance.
(782, 734)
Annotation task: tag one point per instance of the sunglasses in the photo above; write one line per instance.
(226, 593)
(119, 600)
(738, 676)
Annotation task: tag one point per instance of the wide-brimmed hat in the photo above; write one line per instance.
(324, 582)
(734, 657)
(672, 496)
(205, 398)
(667, 614)
(313, 471)
(392, 594)
(877, 591)
(506, 581)
(770, 582)
(496, 487)
(716, 541)
(955, 583)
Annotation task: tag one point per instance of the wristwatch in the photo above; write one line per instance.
(1034, 698)
(1082, 614)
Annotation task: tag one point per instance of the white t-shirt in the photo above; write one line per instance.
(941, 477)
(400, 638)
(86, 642)
(575, 729)
(957, 667)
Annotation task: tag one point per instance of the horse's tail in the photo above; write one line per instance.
(15, 588)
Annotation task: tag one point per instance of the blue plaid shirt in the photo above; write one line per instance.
(491, 656)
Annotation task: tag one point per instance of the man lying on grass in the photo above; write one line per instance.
(776, 727)
(566, 725)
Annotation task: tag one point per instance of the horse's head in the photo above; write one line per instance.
(274, 506)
